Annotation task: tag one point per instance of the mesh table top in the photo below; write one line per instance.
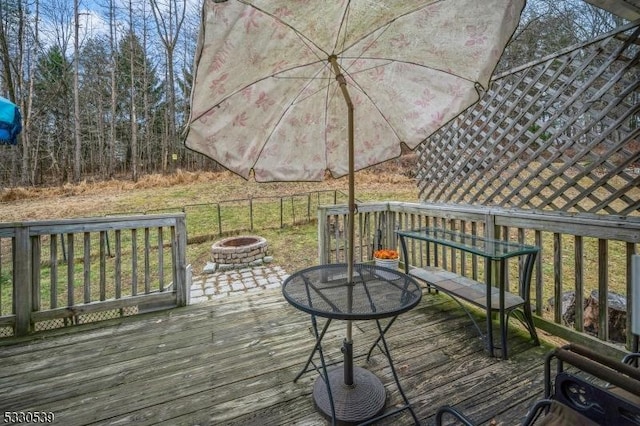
(376, 292)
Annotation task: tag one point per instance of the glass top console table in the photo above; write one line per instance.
(490, 295)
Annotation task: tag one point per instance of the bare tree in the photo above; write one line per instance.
(132, 94)
(548, 26)
(76, 96)
(114, 88)
(169, 16)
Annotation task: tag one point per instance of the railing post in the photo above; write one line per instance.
(22, 281)
(323, 241)
(392, 221)
(180, 250)
(490, 225)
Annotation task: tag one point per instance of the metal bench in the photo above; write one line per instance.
(474, 292)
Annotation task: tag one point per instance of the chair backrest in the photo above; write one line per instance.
(600, 388)
(599, 404)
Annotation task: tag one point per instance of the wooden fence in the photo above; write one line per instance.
(59, 273)
(208, 221)
(579, 253)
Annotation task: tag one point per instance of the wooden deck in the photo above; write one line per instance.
(232, 362)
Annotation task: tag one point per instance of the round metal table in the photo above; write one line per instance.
(351, 394)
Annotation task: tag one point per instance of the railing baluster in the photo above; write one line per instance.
(70, 271)
(53, 259)
(147, 260)
(103, 265)
(118, 264)
(35, 273)
(87, 267)
(134, 262)
(579, 277)
(160, 259)
(557, 277)
(603, 279)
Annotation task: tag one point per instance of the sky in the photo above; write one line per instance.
(92, 16)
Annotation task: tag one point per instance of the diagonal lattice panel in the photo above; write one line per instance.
(559, 134)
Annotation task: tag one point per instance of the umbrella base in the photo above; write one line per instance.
(362, 401)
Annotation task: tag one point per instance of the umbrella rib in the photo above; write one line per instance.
(285, 110)
(355, 83)
(302, 36)
(386, 24)
(343, 22)
(443, 71)
(276, 75)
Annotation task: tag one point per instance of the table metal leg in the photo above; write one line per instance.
(377, 342)
(316, 348)
(502, 276)
(403, 245)
(526, 295)
(489, 274)
(322, 370)
(387, 353)
(328, 377)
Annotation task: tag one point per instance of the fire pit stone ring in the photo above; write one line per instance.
(239, 252)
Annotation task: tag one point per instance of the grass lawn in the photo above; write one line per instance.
(293, 247)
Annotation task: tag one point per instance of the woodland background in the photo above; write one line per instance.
(104, 85)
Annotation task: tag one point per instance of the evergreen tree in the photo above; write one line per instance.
(54, 112)
(95, 98)
(143, 72)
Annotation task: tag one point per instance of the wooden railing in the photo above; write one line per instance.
(580, 253)
(64, 272)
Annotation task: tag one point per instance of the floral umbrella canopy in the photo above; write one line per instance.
(265, 95)
(292, 89)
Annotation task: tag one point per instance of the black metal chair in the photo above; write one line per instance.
(587, 389)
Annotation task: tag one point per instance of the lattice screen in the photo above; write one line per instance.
(559, 134)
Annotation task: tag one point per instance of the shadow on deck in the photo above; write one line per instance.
(232, 362)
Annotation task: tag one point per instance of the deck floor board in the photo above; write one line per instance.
(232, 362)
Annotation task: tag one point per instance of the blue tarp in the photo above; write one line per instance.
(10, 122)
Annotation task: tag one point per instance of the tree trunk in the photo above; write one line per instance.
(169, 30)
(134, 118)
(76, 95)
(114, 90)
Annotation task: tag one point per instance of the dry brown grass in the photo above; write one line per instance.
(114, 185)
(182, 188)
(293, 248)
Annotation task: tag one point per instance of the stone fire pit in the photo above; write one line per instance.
(239, 252)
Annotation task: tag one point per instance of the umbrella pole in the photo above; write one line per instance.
(347, 347)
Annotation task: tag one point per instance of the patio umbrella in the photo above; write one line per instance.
(10, 122)
(292, 89)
